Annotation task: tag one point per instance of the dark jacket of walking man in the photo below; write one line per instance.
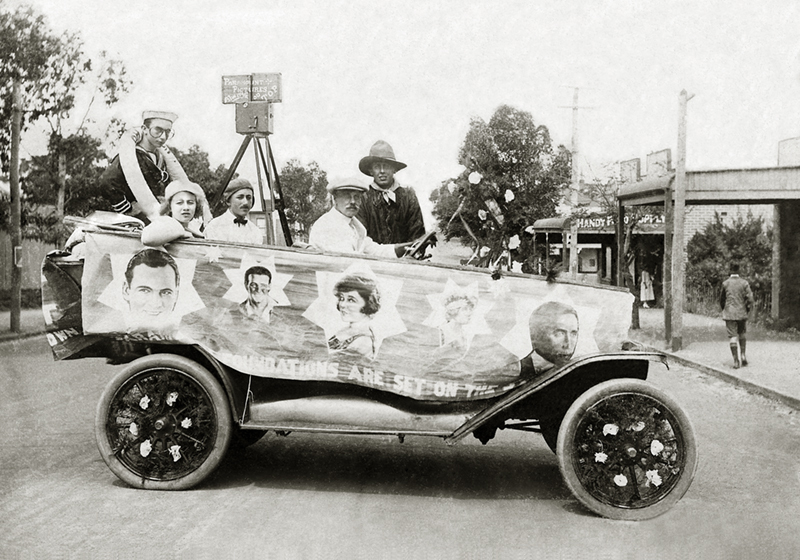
(736, 300)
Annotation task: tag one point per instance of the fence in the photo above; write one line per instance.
(33, 253)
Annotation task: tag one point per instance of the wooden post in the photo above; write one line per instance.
(678, 249)
(573, 226)
(15, 228)
(620, 226)
(775, 307)
(667, 271)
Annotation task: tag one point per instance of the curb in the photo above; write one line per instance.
(748, 386)
(11, 336)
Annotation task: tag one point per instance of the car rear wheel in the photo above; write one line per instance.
(626, 450)
(163, 423)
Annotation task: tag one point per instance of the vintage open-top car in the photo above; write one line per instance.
(222, 342)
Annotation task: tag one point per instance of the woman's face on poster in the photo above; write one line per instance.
(350, 305)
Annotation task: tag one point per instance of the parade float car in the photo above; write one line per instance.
(350, 344)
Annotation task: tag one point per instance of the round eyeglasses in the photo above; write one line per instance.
(158, 132)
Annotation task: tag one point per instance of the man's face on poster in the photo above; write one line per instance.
(556, 341)
(151, 294)
(258, 287)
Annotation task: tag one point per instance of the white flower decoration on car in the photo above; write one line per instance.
(482, 214)
(175, 451)
(656, 447)
(475, 177)
(638, 427)
(514, 242)
(516, 266)
(145, 448)
(600, 457)
(134, 429)
(186, 423)
(621, 480)
(451, 186)
(172, 397)
(144, 402)
(610, 429)
(509, 196)
(653, 478)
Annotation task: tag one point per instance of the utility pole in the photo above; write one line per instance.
(678, 249)
(16, 210)
(574, 186)
(573, 223)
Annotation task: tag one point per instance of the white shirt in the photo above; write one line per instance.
(223, 228)
(335, 232)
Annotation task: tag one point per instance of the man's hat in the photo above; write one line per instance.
(235, 186)
(380, 151)
(166, 115)
(348, 183)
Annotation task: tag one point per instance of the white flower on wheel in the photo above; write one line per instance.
(186, 423)
(638, 427)
(133, 429)
(656, 447)
(172, 397)
(621, 480)
(175, 451)
(145, 448)
(144, 402)
(653, 478)
(610, 430)
(600, 457)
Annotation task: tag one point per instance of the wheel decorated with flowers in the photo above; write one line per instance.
(163, 423)
(626, 450)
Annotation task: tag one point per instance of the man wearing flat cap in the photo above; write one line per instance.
(144, 166)
(339, 231)
(235, 224)
(390, 212)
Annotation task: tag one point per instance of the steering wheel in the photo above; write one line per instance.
(419, 247)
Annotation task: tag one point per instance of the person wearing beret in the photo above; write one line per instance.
(391, 211)
(183, 213)
(339, 231)
(143, 168)
(235, 224)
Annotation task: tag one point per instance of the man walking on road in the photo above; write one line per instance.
(736, 300)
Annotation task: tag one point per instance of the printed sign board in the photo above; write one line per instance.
(252, 87)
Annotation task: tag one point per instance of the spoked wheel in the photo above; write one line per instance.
(626, 450)
(163, 423)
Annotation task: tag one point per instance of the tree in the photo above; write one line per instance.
(711, 251)
(305, 196)
(50, 69)
(513, 175)
(198, 168)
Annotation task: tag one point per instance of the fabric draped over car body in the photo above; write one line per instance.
(412, 356)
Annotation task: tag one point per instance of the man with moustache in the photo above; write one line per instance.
(234, 225)
(339, 231)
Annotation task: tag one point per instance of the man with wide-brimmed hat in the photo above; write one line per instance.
(339, 231)
(391, 211)
(234, 225)
(143, 168)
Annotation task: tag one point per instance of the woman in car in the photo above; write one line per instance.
(182, 215)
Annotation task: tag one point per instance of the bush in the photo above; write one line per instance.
(710, 253)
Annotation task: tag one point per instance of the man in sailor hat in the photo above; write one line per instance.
(143, 168)
(390, 211)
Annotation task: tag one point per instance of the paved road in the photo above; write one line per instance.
(317, 496)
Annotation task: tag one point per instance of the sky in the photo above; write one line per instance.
(414, 73)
